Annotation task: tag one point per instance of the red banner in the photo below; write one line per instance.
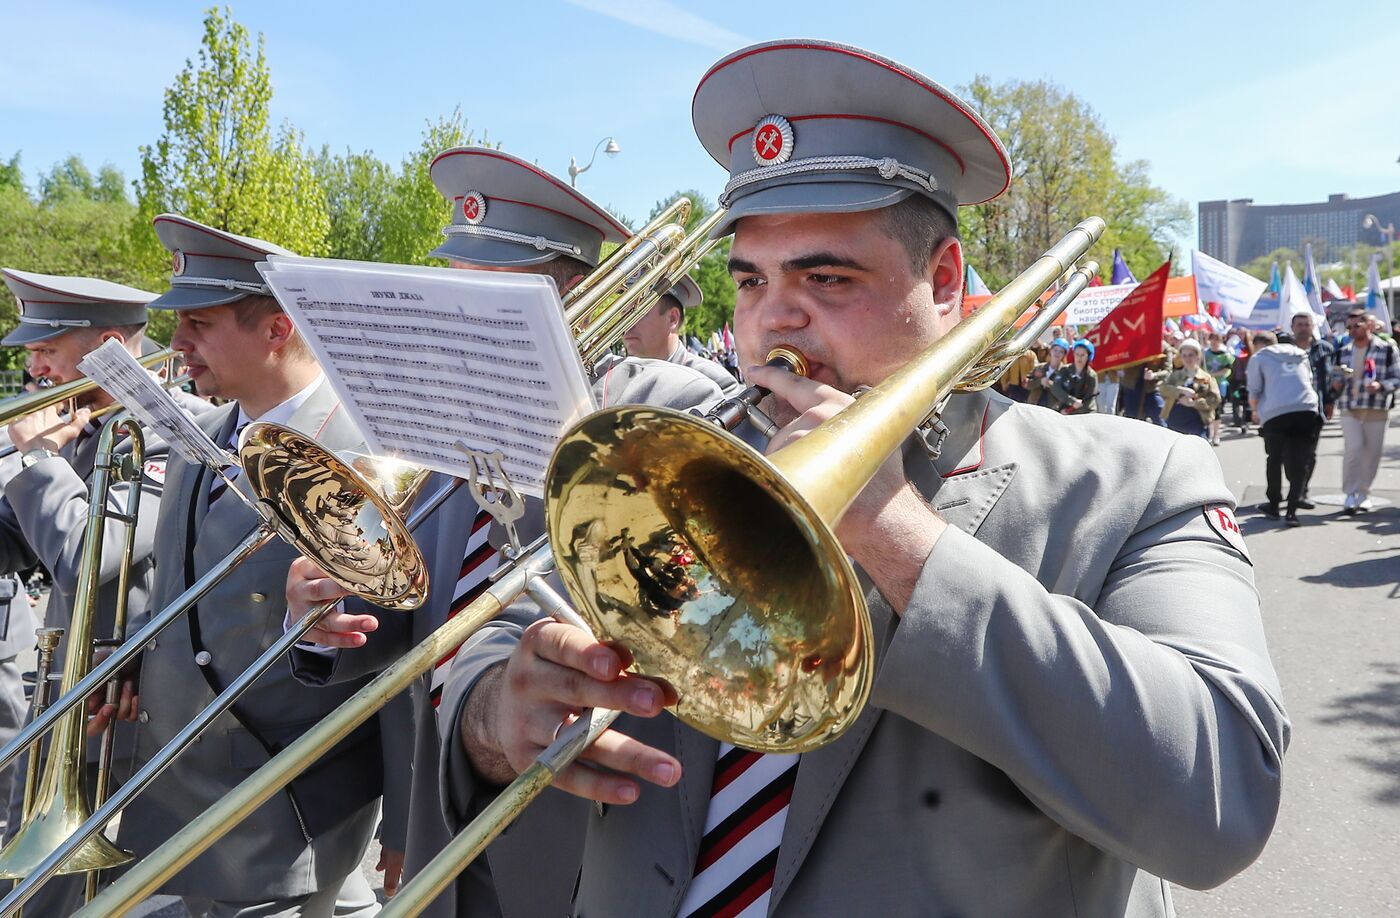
(1132, 332)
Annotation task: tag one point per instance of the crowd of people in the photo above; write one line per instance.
(1060, 699)
(1288, 383)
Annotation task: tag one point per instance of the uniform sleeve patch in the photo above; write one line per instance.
(1221, 520)
(155, 470)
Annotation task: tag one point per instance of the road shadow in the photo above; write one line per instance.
(1378, 711)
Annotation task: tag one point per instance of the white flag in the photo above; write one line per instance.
(1293, 299)
(1217, 282)
(1375, 296)
(1332, 288)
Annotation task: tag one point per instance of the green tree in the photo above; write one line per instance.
(359, 192)
(411, 225)
(1262, 267)
(220, 162)
(1065, 167)
(711, 273)
(78, 224)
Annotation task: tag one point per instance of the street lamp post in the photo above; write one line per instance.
(612, 149)
(1388, 234)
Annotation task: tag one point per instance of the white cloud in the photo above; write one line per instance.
(665, 18)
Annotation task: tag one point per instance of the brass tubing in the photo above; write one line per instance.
(11, 409)
(147, 875)
(678, 212)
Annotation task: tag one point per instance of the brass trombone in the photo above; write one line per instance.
(617, 472)
(18, 406)
(599, 309)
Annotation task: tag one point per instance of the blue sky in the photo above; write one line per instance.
(1224, 100)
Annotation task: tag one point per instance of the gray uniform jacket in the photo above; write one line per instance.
(443, 540)
(43, 516)
(1075, 708)
(301, 841)
(707, 368)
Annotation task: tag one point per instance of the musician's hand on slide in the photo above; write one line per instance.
(128, 703)
(47, 429)
(516, 709)
(309, 587)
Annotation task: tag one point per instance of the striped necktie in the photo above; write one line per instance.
(743, 830)
(220, 483)
(478, 561)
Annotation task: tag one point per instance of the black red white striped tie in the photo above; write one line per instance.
(744, 827)
(479, 560)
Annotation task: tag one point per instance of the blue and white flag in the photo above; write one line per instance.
(975, 286)
(1275, 281)
(1217, 282)
(1121, 274)
(1375, 296)
(1294, 298)
(1311, 284)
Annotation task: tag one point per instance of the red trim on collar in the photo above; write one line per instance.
(572, 192)
(899, 124)
(214, 233)
(804, 46)
(327, 420)
(981, 446)
(557, 213)
(603, 402)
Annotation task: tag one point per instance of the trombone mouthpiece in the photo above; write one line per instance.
(788, 357)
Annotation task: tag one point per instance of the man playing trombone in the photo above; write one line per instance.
(507, 215)
(46, 480)
(1073, 705)
(300, 853)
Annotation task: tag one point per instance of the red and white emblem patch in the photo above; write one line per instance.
(474, 207)
(772, 141)
(1222, 521)
(155, 470)
(177, 262)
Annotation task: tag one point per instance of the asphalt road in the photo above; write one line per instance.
(1330, 594)
(1331, 602)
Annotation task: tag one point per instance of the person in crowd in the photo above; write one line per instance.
(1239, 392)
(1190, 395)
(1110, 384)
(1283, 396)
(1143, 401)
(657, 336)
(1321, 360)
(1075, 384)
(1070, 665)
(1015, 382)
(1217, 360)
(1370, 376)
(1042, 377)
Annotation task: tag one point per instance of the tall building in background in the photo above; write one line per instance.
(1238, 231)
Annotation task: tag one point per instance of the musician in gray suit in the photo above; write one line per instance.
(46, 484)
(299, 854)
(658, 336)
(1073, 705)
(513, 203)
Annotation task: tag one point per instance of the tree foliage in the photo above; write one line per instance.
(711, 273)
(1065, 167)
(219, 160)
(77, 223)
(417, 211)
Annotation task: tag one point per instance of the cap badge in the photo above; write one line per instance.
(474, 207)
(772, 141)
(177, 262)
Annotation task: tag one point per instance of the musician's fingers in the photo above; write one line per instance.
(339, 629)
(99, 721)
(569, 647)
(572, 688)
(801, 393)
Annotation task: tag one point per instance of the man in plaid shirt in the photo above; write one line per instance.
(1370, 368)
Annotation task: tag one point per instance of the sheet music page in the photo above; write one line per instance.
(429, 360)
(118, 373)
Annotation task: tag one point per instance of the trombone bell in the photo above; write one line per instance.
(697, 555)
(340, 513)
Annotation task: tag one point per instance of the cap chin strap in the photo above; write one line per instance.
(535, 242)
(222, 283)
(887, 169)
(56, 323)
